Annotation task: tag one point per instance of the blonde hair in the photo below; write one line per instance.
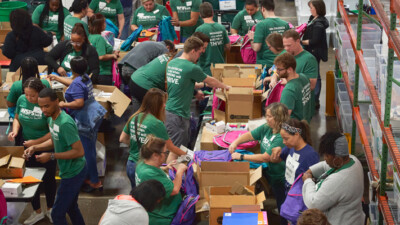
(280, 113)
(152, 145)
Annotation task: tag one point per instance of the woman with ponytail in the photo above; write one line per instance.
(78, 96)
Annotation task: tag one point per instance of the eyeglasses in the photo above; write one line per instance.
(76, 43)
(279, 70)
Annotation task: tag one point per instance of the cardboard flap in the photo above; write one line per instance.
(221, 95)
(260, 198)
(231, 71)
(226, 201)
(120, 102)
(240, 91)
(202, 206)
(255, 175)
(246, 208)
(4, 160)
(247, 71)
(238, 82)
(225, 166)
(16, 162)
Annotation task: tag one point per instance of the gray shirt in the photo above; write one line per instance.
(124, 212)
(144, 53)
(339, 196)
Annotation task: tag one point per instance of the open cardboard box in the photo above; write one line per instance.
(118, 101)
(14, 168)
(238, 104)
(221, 201)
(220, 71)
(206, 141)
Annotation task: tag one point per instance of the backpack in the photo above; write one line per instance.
(253, 165)
(186, 214)
(294, 205)
(3, 208)
(116, 78)
(226, 139)
(189, 184)
(274, 94)
(249, 56)
(128, 42)
(235, 38)
(110, 26)
(213, 156)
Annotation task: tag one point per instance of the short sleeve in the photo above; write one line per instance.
(94, 5)
(66, 13)
(288, 98)
(259, 33)
(236, 21)
(160, 131)
(198, 74)
(311, 70)
(119, 8)
(13, 94)
(76, 91)
(126, 128)
(257, 133)
(284, 153)
(18, 105)
(101, 46)
(277, 142)
(226, 38)
(36, 14)
(134, 18)
(196, 6)
(70, 133)
(173, 6)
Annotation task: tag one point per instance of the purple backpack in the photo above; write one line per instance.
(213, 156)
(189, 184)
(224, 140)
(186, 213)
(249, 56)
(294, 205)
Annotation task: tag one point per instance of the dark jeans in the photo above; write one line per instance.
(127, 25)
(67, 200)
(279, 190)
(318, 87)
(105, 80)
(126, 73)
(49, 181)
(137, 92)
(90, 155)
(130, 171)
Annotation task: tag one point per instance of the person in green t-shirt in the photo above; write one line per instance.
(111, 9)
(271, 24)
(79, 9)
(154, 153)
(149, 119)
(275, 44)
(185, 14)
(219, 40)
(270, 139)
(35, 131)
(247, 18)
(50, 17)
(97, 24)
(297, 93)
(69, 154)
(148, 15)
(182, 73)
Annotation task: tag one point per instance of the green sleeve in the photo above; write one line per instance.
(119, 8)
(226, 38)
(196, 6)
(134, 19)
(18, 107)
(259, 33)
(173, 6)
(258, 132)
(94, 5)
(277, 142)
(311, 68)
(66, 12)
(167, 183)
(100, 46)
(45, 83)
(13, 94)
(288, 98)
(197, 74)
(236, 21)
(160, 131)
(36, 14)
(69, 133)
(126, 128)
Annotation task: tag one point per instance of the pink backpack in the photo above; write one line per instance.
(224, 140)
(217, 104)
(301, 29)
(274, 94)
(235, 38)
(115, 74)
(3, 208)
(249, 56)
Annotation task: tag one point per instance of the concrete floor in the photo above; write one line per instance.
(116, 181)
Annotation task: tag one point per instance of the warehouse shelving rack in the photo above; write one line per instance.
(389, 144)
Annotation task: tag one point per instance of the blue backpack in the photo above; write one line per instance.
(186, 213)
(212, 156)
(110, 26)
(128, 42)
(189, 183)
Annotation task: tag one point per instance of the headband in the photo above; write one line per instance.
(290, 129)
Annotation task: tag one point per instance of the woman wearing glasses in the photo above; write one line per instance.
(149, 119)
(60, 56)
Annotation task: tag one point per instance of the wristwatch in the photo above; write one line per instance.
(241, 157)
(52, 157)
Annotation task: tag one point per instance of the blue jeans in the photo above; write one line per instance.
(130, 171)
(126, 31)
(67, 200)
(89, 146)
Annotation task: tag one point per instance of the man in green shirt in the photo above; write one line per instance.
(69, 154)
(182, 74)
(185, 14)
(271, 24)
(219, 40)
(247, 18)
(297, 93)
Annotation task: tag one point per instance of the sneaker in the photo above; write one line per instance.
(34, 218)
(48, 214)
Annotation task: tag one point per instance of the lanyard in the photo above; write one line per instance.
(323, 177)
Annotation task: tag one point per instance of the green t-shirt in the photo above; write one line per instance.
(307, 65)
(149, 19)
(108, 10)
(69, 23)
(64, 133)
(31, 118)
(264, 134)
(243, 22)
(66, 63)
(263, 29)
(152, 75)
(167, 208)
(296, 96)
(150, 125)
(181, 77)
(16, 90)
(102, 47)
(215, 52)
(184, 9)
(50, 23)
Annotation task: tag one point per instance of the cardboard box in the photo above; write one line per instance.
(118, 101)
(257, 104)
(18, 168)
(221, 201)
(4, 90)
(11, 189)
(206, 141)
(238, 105)
(235, 70)
(5, 29)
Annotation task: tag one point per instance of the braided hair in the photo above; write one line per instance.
(34, 83)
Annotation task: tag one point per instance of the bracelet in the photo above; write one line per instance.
(241, 157)
(52, 157)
